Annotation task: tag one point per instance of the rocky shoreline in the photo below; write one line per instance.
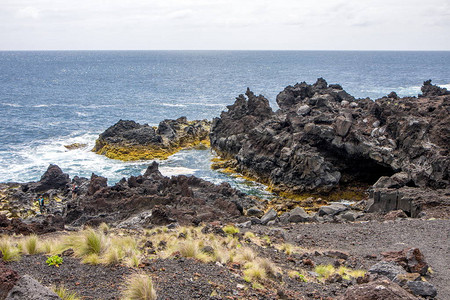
(128, 140)
(339, 167)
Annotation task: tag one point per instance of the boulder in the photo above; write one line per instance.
(388, 269)
(8, 278)
(411, 259)
(53, 178)
(298, 215)
(255, 212)
(422, 288)
(332, 210)
(269, 216)
(377, 290)
(28, 288)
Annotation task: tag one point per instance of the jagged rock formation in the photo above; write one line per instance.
(128, 140)
(155, 199)
(322, 138)
(146, 200)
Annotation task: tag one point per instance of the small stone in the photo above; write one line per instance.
(255, 212)
(332, 209)
(304, 110)
(353, 104)
(247, 224)
(208, 250)
(394, 215)
(337, 254)
(388, 269)
(269, 216)
(422, 288)
(271, 223)
(297, 215)
(402, 279)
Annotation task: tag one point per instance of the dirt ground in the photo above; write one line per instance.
(186, 278)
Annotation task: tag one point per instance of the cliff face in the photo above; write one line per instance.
(322, 138)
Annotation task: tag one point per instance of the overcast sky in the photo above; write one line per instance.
(221, 24)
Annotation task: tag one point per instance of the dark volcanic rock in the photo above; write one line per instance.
(128, 140)
(429, 90)
(8, 278)
(53, 178)
(28, 288)
(377, 290)
(422, 288)
(322, 138)
(388, 269)
(153, 199)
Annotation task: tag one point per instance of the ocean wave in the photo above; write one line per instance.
(172, 105)
(12, 104)
(81, 114)
(207, 104)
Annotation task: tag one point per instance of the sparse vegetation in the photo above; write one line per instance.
(30, 245)
(230, 229)
(54, 260)
(10, 251)
(297, 275)
(139, 287)
(64, 293)
(326, 271)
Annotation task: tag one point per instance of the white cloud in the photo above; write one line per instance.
(29, 12)
(215, 24)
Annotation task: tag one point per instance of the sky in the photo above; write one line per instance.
(224, 25)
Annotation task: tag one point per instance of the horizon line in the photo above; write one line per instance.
(254, 50)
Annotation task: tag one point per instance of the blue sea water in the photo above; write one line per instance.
(49, 99)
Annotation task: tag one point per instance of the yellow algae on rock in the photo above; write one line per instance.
(128, 140)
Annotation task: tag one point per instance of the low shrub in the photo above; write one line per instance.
(54, 260)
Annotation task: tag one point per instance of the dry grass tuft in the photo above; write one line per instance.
(139, 287)
(30, 245)
(64, 293)
(9, 250)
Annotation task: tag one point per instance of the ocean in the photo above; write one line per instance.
(49, 99)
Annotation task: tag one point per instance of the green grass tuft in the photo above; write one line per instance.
(230, 229)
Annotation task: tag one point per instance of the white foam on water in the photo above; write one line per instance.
(81, 114)
(207, 104)
(172, 105)
(11, 104)
(174, 171)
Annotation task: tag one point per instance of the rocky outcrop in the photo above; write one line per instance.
(153, 199)
(128, 140)
(27, 288)
(322, 139)
(145, 200)
(380, 289)
(8, 278)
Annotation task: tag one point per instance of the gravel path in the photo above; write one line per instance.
(432, 237)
